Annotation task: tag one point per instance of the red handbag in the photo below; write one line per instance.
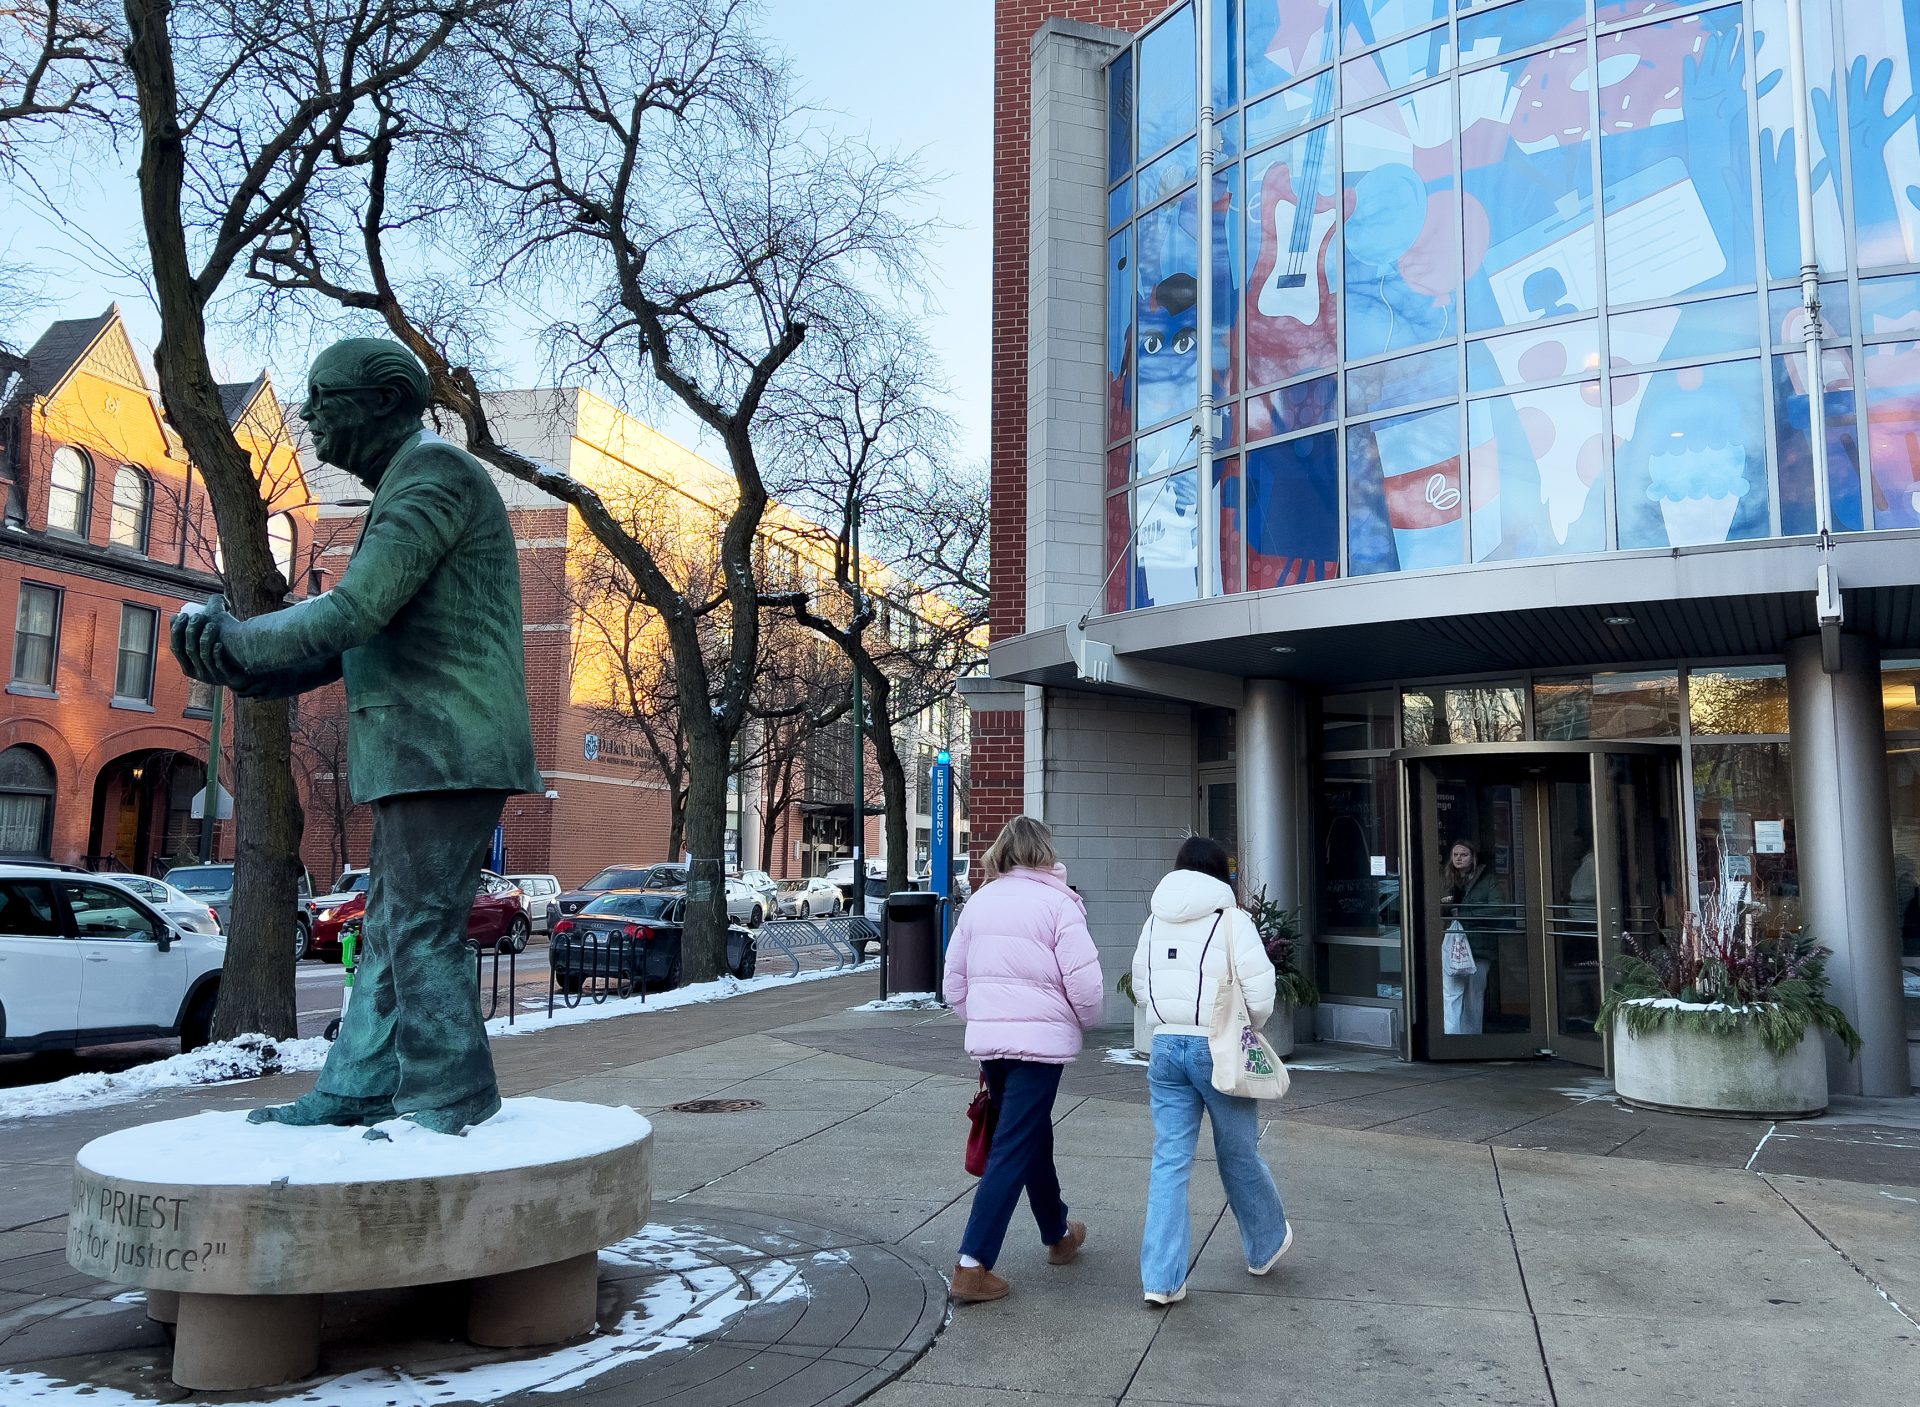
(982, 1114)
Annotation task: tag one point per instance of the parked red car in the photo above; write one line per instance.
(498, 918)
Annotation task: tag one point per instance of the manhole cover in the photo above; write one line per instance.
(714, 1106)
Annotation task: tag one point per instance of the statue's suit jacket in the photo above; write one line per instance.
(424, 626)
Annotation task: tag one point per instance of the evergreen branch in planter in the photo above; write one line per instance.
(1125, 987)
(1279, 930)
(1722, 975)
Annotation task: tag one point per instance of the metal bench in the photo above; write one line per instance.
(841, 935)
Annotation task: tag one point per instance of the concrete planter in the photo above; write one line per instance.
(1142, 1029)
(1280, 1028)
(1729, 1074)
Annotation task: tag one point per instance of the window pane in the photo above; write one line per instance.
(1475, 713)
(1690, 467)
(1534, 471)
(1780, 145)
(1900, 695)
(1297, 407)
(1511, 27)
(1227, 281)
(132, 499)
(1892, 375)
(1365, 22)
(134, 677)
(69, 486)
(1168, 105)
(1285, 39)
(1120, 115)
(1166, 544)
(1293, 512)
(1425, 376)
(1881, 39)
(1293, 107)
(1119, 552)
(26, 905)
(1674, 157)
(1119, 465)
(1793, 440)
(1403, 493)
(1710, 329)
(1903, 790)
(1887, 305)
(1120, 202)
(1624, 705)
(1120, 334)
(280, 543)
(1225, 88)
(1166, 175)
(1399, 65)
(1520, 358)
(1788, 317)
(1402, 228)
(1366, 969)
(1354, 722)
(1226, 498)
(1291, 291)
(1526, 167)
(1738, 699)
(100, 912)
(36, 635)
(1162, 450)
(1735, 787)
(1358, 822)
(1168, 350)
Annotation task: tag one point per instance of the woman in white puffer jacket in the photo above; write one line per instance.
(1177, 971)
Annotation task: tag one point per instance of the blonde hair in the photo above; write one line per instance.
(1023, 844)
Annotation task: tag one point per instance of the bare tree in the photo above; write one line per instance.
(319, 733)
(59, 61)
(804, 687)
(645, 158)
(245, 110)
(863, 439)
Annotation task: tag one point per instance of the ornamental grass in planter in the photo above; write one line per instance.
(1724, 1018)
(1286, 946)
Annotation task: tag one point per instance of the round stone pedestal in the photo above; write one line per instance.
(235, 1229)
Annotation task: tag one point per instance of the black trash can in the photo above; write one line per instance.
(910, 943)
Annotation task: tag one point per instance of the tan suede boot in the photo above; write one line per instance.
(1063, 1251)
(975, 1284)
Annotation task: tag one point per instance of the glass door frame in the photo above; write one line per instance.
(1421, 1006)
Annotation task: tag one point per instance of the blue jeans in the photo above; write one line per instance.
(1180, 1080)
(1021, 1159)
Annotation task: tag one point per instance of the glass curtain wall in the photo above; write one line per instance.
(1505, 280)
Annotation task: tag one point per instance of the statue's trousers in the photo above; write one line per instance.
(413, 1032)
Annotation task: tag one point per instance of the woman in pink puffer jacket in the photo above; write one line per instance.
(1023, 973)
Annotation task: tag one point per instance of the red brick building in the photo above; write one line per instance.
(107, 532)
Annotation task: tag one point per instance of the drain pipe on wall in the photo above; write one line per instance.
(1208, 535)
(1829, 610)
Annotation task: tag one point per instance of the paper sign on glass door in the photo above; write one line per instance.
(1770, 837)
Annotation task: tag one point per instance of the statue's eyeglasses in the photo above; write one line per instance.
(316, 395)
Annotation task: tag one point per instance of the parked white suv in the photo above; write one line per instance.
(85, 961)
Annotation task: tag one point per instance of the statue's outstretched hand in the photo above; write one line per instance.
(197, 645)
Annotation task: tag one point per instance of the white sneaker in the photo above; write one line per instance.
(1154, 1297)
(1285, 1246)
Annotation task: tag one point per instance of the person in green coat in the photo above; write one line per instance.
(1469, 895)
(424, 627)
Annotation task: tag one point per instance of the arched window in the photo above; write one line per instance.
(280, 544)
(132, 509)
(26, 803)
(70, 492)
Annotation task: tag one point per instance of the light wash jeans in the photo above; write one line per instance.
(1180, 1080)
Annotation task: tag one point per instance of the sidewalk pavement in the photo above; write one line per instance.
(1465, 1234)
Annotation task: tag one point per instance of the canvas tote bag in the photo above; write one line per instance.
(1243, 1063)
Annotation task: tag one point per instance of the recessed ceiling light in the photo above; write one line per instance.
(1619, 620)
(1283, 649)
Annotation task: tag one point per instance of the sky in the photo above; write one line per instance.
(910, 77)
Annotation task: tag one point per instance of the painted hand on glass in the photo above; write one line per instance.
(1874, 127)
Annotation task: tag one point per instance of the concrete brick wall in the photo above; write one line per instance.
(1118, 780)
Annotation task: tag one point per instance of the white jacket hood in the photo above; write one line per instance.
(1185, 895)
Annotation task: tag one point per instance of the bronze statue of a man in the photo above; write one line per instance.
(424, 626)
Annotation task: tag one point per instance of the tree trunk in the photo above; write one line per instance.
(256, 992)
(703, 947)
(677, 816)
(893, 788)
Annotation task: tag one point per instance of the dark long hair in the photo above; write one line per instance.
(1206, 855)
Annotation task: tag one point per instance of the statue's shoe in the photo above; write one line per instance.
(315, 1108)
(453, 1118)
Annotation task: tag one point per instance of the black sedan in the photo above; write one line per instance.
(628, 940)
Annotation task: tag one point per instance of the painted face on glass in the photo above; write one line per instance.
(1168, 343)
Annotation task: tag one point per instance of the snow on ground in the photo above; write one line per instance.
(693, 1297)
(250, 1057)
(1125, 1055)
(903, 1001)
(221, 1147)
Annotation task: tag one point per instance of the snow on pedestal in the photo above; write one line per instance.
(259, 1220)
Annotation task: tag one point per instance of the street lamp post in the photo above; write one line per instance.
(210, 804)
(859, 906)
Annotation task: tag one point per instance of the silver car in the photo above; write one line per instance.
(542, 893)
(212, 885)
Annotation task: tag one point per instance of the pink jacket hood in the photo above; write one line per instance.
(1022, 969)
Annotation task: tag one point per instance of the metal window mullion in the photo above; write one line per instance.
(1769, 414)
(1338, 138)
(1462, 425)
(1609, 446)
